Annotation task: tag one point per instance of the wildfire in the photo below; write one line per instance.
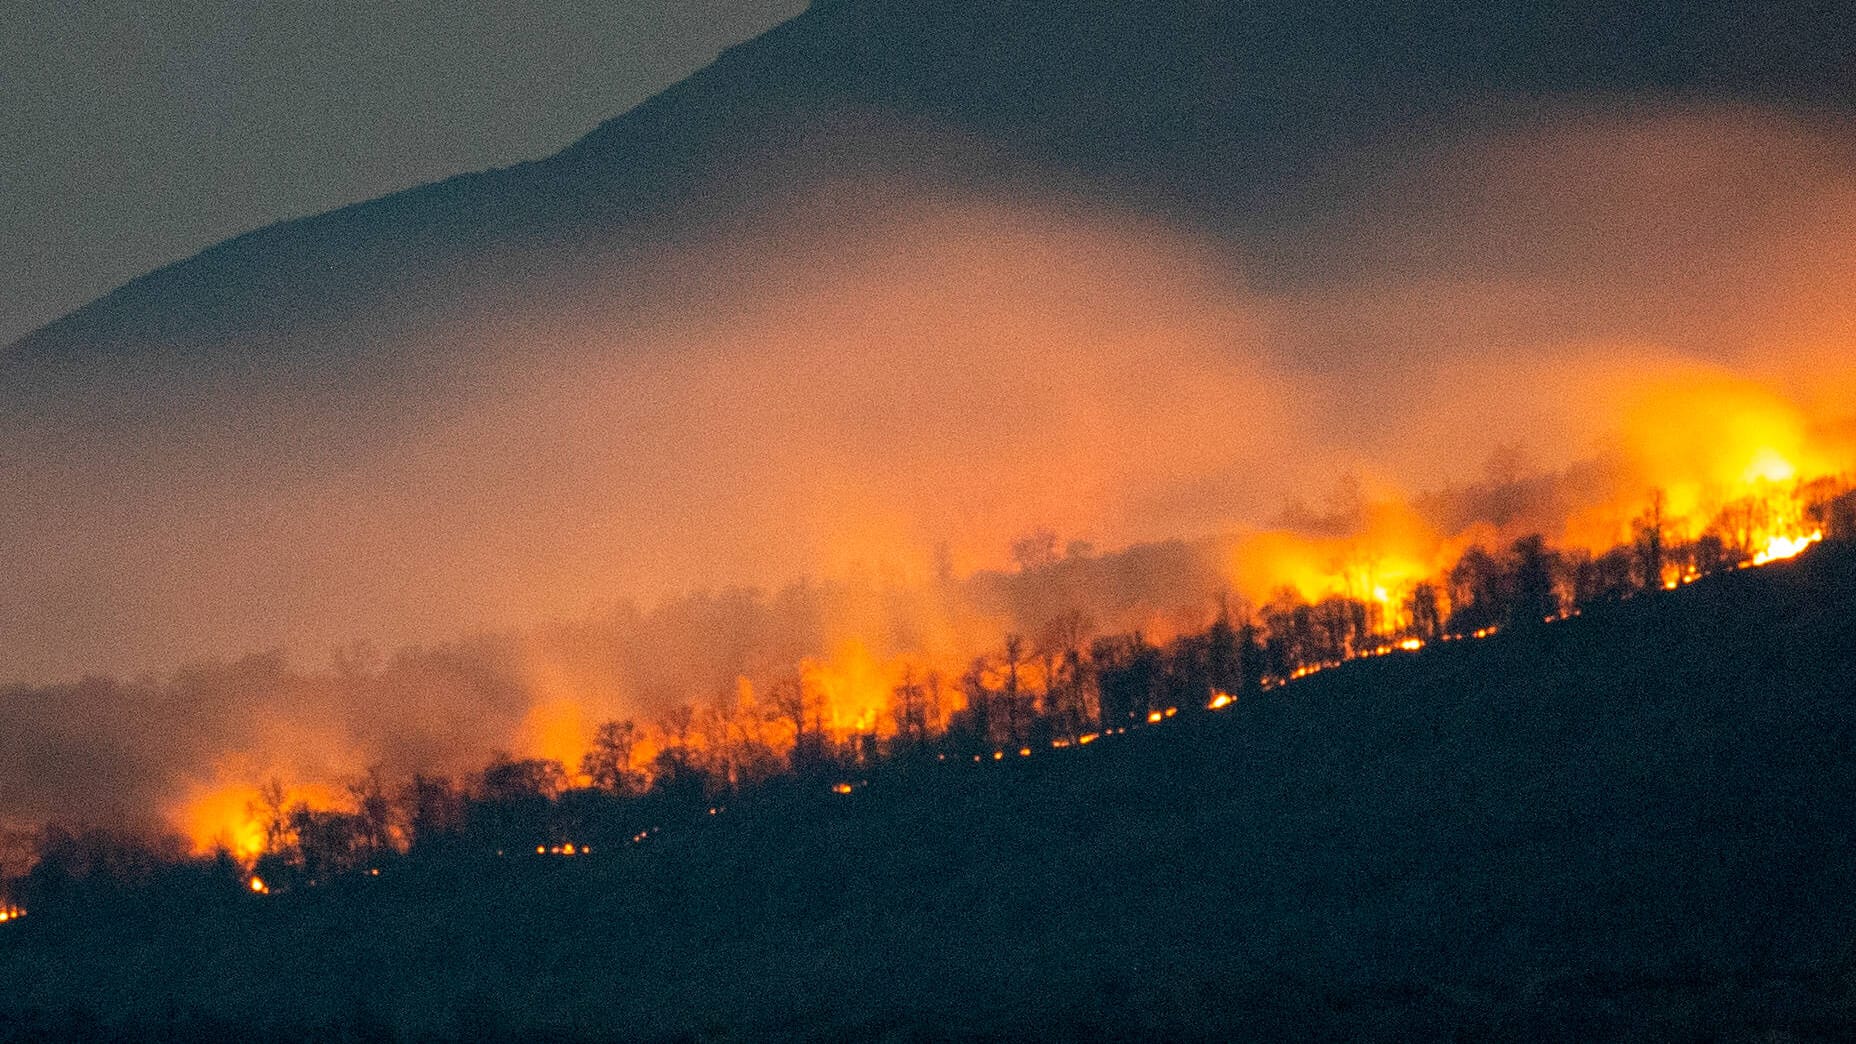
(558, 728)
(853, 689)
(1780, 547)
(1714, 472)
(1377, 566)
(257, 885)
(239, 817)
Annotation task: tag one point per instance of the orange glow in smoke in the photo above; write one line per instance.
(233, 816)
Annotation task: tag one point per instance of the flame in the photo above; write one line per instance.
(558, 728)
(229, 815)
(1702, 432)
(1688, 449)
(1768, 465)
(1379, 551)
(1708, 442)
(854, 689)
(1782, 547)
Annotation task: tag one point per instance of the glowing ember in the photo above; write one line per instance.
(1154, 717)
(257, 885)
(1220, 701)
(841, 788)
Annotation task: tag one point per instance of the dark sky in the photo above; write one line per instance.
(137, 132)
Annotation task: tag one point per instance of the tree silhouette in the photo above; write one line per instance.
(978, 719)
(608, 763)
(1012, 698)
(1477, 596)
(374, 811)
(1533, 594)
(1649, 542)
(1610, 577)
(433, 808)
(909, 708)
(1129, 673)
(1425, 612)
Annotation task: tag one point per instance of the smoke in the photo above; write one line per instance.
(1513, 329)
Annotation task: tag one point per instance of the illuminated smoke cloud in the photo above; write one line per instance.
(1521, 330)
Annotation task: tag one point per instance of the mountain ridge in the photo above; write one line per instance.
(1185, 107)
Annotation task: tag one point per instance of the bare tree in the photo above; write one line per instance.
(1060, 649)
(272, 809)
(608, 764)
(432, 808)
(374, 810)
(1011, 693)
(1426, 612)
(798, 704)
(981, 700)
(909, 707)
(1649, 543)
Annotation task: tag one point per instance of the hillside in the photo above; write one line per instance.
(1202, 111)
(1632, 823)
(519, 394)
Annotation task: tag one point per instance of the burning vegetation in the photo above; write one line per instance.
(1370, 577)
(881, 424)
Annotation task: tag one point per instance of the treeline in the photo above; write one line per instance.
(1059, 686)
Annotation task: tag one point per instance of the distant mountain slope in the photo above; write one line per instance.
(1186, 106)
(1629, 825)
(678, 352)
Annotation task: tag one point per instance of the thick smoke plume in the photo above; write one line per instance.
(837, 427)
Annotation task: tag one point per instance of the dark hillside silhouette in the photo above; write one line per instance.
(1629, 823)
(1187, 107)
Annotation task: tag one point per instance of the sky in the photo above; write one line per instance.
(139, 133)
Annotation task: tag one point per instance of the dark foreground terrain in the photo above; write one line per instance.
(1636, 823)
